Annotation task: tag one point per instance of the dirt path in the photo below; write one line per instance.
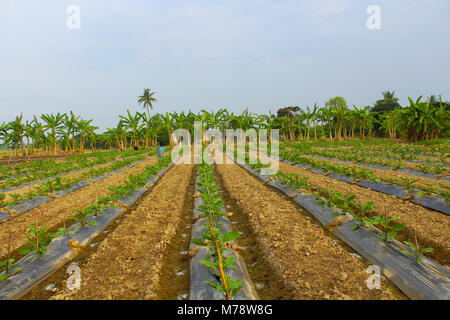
(56, 210)
(128, 262)
(432, 227)
(306, 258)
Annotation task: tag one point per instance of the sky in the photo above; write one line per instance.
(208, 54)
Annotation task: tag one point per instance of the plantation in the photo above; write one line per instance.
(358, 207)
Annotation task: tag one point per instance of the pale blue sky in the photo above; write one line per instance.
(209, 54)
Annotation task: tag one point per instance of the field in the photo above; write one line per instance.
(132, 225)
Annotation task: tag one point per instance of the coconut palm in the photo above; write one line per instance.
(147, 100)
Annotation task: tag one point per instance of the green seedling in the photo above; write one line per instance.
(16, 198)
(215, 240)
(418, 250)
(363, 219)
(83, 219)
(439, 168)
(38, 238)
(390, 228)
(423, 167)
(409, 182)
(9, 263)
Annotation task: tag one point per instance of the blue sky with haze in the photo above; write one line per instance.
(210, 54)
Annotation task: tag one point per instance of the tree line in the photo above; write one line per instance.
(69, 133)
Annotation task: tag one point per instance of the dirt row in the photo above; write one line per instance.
(432, 227)
(60, 209)
(129, 262)
(308, 260)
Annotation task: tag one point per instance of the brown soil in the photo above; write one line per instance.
(129, 261)
(267, 282)
(432, 227)
(307, 260)
(55, 211)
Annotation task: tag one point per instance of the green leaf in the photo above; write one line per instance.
(398, 227)
(199, 242)
(230, 236)
(25, 250)
(209, 264)
(228, 263)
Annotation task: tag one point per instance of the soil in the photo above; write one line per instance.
(305, 258)
(130, 260)
(267, 282)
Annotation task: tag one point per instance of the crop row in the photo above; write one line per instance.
(404, 151)
(437, 168)
(55, 186)
(47, 168)
(360, 172)
(214, 238)
(350, 203)
(39, 238)
(427, 278)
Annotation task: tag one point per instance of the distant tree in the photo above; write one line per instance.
(339, 107)
(381, 108)
(147, 100)
(290, 112)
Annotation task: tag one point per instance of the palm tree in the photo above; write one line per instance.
(147, 100)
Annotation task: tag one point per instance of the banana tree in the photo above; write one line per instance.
(85, 131)
(16, 134)
(132, 122)
(53, 123)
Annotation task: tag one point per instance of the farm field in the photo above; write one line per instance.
(143, 227)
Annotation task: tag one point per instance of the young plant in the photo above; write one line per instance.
(409, 182)
(38, 238)
(83, 219)
(390, 228)
(418, 250)
(363, 219)
(8, 264)
(215, 241)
